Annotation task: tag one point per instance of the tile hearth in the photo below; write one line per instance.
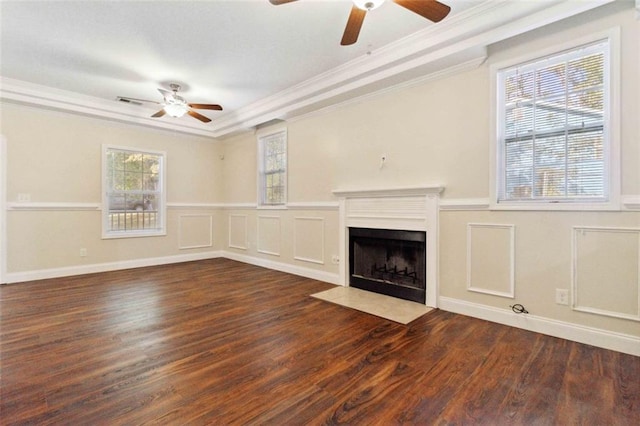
(391, 308)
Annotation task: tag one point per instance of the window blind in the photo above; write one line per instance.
(553, 124)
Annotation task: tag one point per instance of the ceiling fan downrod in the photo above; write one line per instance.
(367, 4)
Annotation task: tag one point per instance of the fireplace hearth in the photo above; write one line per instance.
(387, 261)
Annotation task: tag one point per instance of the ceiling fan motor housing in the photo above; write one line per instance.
(367, 4)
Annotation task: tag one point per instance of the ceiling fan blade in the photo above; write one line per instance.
(199, 116)
(206, 106)
(125, 99)
(277, 2)
(159, 113)
(354, 24)
(431, 9)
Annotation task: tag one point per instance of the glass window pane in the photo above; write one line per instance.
(550, 182)
(550, 151)
(519, 121)
(551, 81)
(519, 87)
(116, 202)
(586, 72)
(133, 181)
(586, 109)
(551, 115)
(150, 181)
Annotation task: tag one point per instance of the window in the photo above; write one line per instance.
(133, 196)
(273, 168)
(554, 138)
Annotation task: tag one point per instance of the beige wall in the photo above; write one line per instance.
(55, 157)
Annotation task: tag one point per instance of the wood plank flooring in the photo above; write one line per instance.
(221, 342)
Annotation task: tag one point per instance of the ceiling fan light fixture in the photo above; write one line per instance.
(367, 4)
(175, 110)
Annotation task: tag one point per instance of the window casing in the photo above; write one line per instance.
(133, 195)
(272, 166)
(555, 140)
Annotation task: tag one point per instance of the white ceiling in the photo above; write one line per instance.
(259, 61)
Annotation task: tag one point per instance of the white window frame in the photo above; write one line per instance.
(161, 229)
(261, 137)
(612, 128)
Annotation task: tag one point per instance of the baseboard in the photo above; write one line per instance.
(588, 335)
(284, 267)
(43, 274)
(68, 271)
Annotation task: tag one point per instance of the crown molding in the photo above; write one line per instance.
(435, 51)
(22, 92)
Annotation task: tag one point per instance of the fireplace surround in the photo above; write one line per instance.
(399, 209)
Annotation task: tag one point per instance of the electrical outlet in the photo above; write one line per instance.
(562, 296)
(335, 259)
(24, 198)
(83, 252)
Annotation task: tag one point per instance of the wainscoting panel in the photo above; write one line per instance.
(269, 235)
(238, 231)
(606, 271)
(308, 245)
(195, 231)
(490, 259)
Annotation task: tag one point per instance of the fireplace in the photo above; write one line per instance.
(408, 214)
(388, 261)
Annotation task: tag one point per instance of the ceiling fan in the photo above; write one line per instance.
(431, 9)
(175, 105)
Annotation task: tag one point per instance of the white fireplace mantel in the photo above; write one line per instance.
(413, 208)
(389, 192)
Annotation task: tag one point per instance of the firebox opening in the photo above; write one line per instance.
(390, 262)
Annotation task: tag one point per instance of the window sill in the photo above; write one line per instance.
(274, 207)
(132, 234)
(559, 206)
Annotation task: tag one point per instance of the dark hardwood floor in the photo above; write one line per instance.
(221, 342)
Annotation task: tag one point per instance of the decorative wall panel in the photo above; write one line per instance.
(309, 239)
(195, 231)
(269, 235)
(490, 259)
(606, 271)
(238, 231)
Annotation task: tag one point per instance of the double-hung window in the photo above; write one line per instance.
(133, 195)
(272, 167)
(554, 129)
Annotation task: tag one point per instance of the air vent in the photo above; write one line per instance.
(128, 101)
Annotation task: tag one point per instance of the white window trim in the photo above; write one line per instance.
(259, 135)
(612, 118)
(162, 207)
